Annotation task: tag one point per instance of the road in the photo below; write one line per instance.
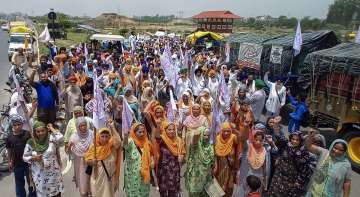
(7, 185)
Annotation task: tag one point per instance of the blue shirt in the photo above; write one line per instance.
(46, 94)
(300, 109)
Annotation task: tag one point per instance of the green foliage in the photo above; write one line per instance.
(344, 12)
(123, 31)
(155, 19)
(261, 23)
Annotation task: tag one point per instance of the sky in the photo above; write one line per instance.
(244, 8)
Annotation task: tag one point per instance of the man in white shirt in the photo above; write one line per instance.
(198, 83)
(183, 83)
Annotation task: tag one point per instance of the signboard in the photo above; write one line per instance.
(52, 15)
(250, 55)
(276, 53)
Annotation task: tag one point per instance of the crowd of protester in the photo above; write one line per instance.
(193, 116)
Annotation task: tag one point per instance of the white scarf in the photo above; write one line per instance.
(82, 144)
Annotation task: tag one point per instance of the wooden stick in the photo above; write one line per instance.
(95, 159)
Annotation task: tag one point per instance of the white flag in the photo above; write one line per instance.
(298, 40)
(99, 116)
(227, 52)
(172, 109)
(45, 35)
(357, 39)
(86, 52)
(127, 117)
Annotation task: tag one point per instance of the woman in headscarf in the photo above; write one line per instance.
(213, 83)
(184, 105)
(138, 158)
(226, 164)
(128, 79)
(41, 152)
(112, 84)
(132, 101)
(332, 177)
(155, 116)
(205, 97)
(199, 165)
(79, 144)
(171, 151)
(274, 128)
(104, 158)
(192, 124)
(71, 126)
(146, 97)
(293, 169)
(206, 111)
(255, 161)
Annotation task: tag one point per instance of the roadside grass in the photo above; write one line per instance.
(73, 39)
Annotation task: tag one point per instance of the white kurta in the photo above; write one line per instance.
(47, 174)
(213, 87)
(257, 101)
(198, 86)
(182, 85)
(276, 99)
(251, 86)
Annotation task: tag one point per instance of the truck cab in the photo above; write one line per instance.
(334, 95)
(18, 40)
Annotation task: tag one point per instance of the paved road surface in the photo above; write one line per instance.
(7, 185)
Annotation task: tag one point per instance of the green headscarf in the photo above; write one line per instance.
(206, 150)
(330, 174)
(37, 145)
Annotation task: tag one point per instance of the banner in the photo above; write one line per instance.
(250, 55)
(276, 53)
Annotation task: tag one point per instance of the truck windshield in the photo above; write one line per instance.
(17, 39)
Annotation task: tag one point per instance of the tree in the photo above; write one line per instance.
(344, 12)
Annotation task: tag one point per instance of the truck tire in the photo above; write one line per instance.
(353, 139)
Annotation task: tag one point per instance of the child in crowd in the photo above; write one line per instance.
(254, 184)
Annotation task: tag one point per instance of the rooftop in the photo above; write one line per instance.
(216, 14)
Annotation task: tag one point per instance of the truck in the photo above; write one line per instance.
(333, 79)
(20, 36)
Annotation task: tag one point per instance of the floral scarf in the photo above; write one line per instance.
(83, 142)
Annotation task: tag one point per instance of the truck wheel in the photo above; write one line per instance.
(353, 138)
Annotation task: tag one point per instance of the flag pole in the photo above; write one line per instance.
(95, 159)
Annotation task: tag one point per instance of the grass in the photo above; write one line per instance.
(73, 38)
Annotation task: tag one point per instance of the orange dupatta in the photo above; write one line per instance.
(223, 147)
(145, 146)
(104, 151)
(173, 144)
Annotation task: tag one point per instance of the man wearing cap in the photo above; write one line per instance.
(15, 145)
(257, 99)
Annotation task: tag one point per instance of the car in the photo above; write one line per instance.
(5, 27)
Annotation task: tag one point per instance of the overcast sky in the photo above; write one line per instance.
(245, 8)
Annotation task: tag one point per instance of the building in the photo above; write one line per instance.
(216, 21)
